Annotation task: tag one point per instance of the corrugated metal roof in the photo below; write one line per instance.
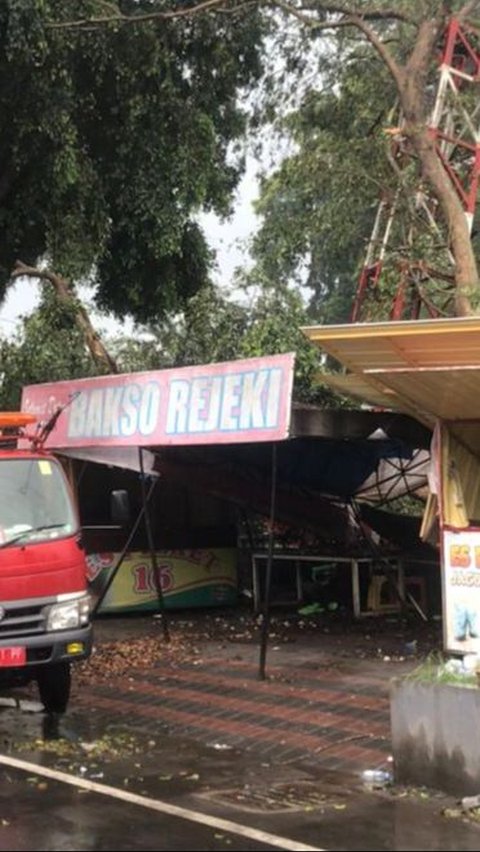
(419, 343)
(429, 368)
(350, 384)
(450, 394)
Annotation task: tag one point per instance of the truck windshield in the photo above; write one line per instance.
(35, 504)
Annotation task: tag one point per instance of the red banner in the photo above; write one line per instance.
(232, 402)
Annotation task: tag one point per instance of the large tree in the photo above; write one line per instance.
(405, 37)
(113, 139)
(386, 54)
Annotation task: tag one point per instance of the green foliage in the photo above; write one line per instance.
(208, 330)
(48, 348)
(274, 326)
(407, 504)
(214, 328)
(317, 207)
(115, 138)
(432, 670)
(332, 100)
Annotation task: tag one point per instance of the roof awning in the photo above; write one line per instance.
(428, 368)
(448, 393)
(390, 345)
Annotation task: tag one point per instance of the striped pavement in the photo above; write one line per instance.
(335, 717)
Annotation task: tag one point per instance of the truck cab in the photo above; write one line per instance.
(44, 604)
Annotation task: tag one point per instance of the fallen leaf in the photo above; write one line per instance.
(452, 813)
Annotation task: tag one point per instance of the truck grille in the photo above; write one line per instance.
(22, 621)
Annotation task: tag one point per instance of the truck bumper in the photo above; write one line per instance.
(45, 649)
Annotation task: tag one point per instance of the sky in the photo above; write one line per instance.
(227, 238)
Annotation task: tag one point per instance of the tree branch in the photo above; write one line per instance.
(32, 272)
(352, 20)
(381, 48)
(467, 9)
(370, 14)
(65, 294)
(120, 18)
(306, 19)
(225, 6)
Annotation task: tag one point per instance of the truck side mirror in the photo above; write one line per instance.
(120, 508)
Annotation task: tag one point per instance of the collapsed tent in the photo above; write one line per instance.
(231, 430)
(212, 428)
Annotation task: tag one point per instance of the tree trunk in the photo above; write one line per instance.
(412, 90)
(466, 271)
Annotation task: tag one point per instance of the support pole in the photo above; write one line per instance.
(268, 575)
(151, 545)
(124, 552)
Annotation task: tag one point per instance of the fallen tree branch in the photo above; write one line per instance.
(66, 295)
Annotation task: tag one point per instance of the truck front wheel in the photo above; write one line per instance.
(54, 686)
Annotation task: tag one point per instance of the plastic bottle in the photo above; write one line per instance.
(377, 777)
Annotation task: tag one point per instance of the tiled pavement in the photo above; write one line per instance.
(307, 708)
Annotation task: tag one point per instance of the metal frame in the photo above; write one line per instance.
(297, 559)
(455, 129)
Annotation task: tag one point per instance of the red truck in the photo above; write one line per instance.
(44, 604)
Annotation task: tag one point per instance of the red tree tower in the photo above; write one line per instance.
(408, 260)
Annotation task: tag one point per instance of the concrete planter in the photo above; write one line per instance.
(436, 735)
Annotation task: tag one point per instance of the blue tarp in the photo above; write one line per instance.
(324, 465)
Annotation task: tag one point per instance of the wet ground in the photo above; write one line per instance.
(192, 728)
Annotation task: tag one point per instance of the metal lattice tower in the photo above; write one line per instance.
(409, 240)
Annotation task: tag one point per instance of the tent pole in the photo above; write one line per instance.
(268, 575)
(151, 545)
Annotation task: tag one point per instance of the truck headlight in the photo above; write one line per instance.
(69, 614)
